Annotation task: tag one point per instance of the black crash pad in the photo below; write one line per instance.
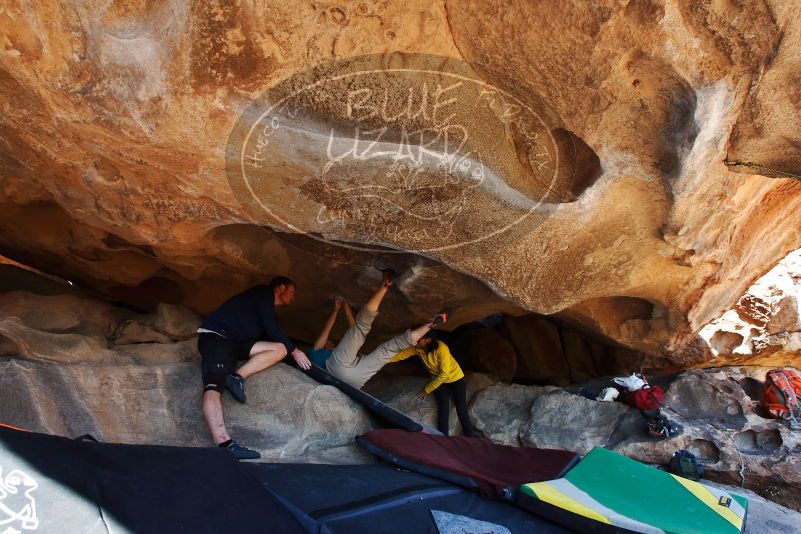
(386, 413)
(64, 485)
(381, 499)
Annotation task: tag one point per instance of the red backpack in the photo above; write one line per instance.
(781, 395)
(646, 398)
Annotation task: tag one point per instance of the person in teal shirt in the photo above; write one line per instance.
(323, 347)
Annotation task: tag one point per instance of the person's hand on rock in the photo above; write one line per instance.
(301, 359)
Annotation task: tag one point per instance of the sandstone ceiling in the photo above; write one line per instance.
(650, 185)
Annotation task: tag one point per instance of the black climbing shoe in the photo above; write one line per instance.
(236, 385)
(239, 451)
(390, 276)
(441, 316)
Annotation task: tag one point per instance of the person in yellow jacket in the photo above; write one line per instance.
(447, 380)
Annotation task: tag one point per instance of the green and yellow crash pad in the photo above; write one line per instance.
(607, 492)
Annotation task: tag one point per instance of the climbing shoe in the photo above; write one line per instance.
(441, 316)
(236, 385)
(239, 451)
(390, 276)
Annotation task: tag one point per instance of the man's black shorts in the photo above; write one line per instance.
(219, 357)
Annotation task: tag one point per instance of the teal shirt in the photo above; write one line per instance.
(319, 356)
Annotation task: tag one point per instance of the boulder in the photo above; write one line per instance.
(134, 331)
(288, 417)
(158, 353)
(562, 420)
(116, 403)
(499, 412)
(291, 417)
(68, 312)
(705, 396)
(177, 322)
(168, 322)
(19, 340)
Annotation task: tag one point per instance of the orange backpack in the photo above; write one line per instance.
(781, 395)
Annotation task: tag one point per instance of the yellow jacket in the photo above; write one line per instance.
(439, 363)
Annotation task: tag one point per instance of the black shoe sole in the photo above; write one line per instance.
(389, 276)
(249, 456)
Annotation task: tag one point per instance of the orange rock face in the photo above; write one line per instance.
(563, 159)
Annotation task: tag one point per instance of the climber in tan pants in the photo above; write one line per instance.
(345, 362)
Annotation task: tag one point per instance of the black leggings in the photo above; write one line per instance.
(457, 390)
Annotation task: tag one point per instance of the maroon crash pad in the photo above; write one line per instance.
(495, 470)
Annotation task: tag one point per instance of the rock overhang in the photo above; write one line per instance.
(114, 166)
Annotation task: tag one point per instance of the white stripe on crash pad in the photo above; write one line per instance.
(615, 518)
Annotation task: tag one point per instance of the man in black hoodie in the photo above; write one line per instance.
(244, 327)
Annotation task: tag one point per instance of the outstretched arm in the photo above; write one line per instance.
(404, 354)
(322, 339)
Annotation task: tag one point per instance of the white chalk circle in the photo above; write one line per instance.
(430, 141)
